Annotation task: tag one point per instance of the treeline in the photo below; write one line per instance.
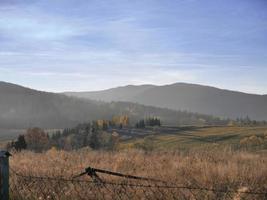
(249, 122)
(34, 139)
(97, 134)
(151, 121)
(92, 135)
(169, 117)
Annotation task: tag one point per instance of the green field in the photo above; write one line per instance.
(197, 137)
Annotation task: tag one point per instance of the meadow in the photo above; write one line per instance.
(215, 162)
(218, 169)
(252, 138)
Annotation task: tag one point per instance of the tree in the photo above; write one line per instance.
(95, 126)
(105, 126)
(18, 145)
(21, 143)
(37, 139)
(153, 121)
(121, 120)
(94, 141)
(140, 124)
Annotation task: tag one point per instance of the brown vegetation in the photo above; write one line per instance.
(216, 169)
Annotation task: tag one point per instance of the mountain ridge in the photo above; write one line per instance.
(22, 107)
(153, 85)
(192, 97)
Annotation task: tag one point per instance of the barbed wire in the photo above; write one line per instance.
(101, 187)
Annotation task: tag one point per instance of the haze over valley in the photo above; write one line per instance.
(129, 100)
(189, 97)
(22, 107)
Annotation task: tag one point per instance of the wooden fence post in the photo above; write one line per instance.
(4, 175)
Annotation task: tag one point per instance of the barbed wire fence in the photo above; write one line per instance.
(16, 184)
(27, 187)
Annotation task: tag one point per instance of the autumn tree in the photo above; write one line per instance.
(120, 121)
(37, 139)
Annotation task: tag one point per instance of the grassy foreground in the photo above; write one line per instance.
(219, 158)
(219, 169)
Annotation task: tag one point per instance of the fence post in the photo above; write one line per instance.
(4, 175)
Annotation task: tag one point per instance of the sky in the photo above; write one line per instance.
(85, 45)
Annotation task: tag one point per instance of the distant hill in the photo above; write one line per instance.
(126, 93)
(22, 107)
(191, 97)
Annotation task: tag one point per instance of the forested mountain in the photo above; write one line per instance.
(191, 97)
(22, 107)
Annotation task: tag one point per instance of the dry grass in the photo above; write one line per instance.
(214, 165)
(213, 169)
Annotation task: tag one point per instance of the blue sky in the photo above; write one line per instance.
(60, 45)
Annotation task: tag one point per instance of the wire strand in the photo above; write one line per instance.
(167, 185)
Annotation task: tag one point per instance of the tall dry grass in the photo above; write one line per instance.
(213, 169)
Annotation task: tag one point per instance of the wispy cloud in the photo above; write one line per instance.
(24, 26)
(88, 45)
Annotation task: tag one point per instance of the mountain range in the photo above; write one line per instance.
(191, 97)
(22, 107)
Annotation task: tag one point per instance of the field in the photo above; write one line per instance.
(173, 138)
(192, 163)
(222, 170)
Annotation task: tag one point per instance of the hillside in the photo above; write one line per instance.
(191, 97)
(22, 107)
(126, 93)
(188, 138)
